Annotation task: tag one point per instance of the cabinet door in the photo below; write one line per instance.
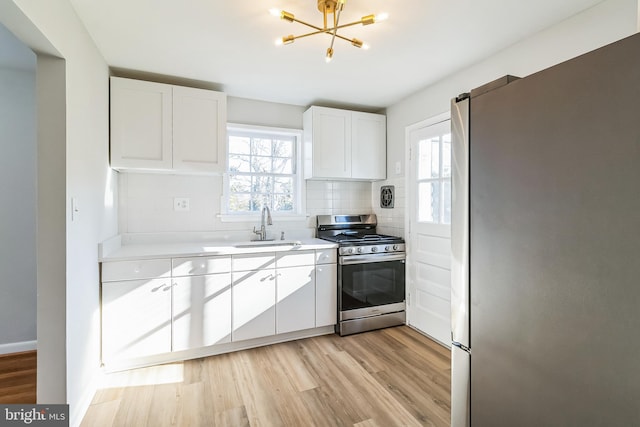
(326, 294)
(330, 142)
(201, 311)
(295, 309)
(136, 318)
(368, 146)
(254, 304)
(199, 130)
(141, 131)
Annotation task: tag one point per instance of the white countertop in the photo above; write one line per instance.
(114, 251)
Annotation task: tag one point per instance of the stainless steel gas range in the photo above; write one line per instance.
(371, 273)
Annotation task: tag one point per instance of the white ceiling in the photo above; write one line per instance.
(231, 43)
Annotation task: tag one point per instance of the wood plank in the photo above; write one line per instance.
(389, 377)
(18, 376)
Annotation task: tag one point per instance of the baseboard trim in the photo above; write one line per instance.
(18, 347)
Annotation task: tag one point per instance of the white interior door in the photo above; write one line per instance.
(429, 227)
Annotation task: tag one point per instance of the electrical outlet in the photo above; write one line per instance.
(180, 204)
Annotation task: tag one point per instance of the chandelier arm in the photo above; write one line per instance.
(327, 31)
(335, 26)
(320, 29)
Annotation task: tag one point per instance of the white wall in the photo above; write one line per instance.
(603, 24)
(18, 195)
(77, 167)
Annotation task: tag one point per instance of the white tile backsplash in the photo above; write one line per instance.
(146, 204)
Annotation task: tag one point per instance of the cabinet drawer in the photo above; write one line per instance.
(201, 265)
(295, 259)
(131, 270)
(326, 256)
(259, 261)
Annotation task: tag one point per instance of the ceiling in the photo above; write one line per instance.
(231, 43)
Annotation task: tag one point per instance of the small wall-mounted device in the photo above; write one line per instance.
(386, 196)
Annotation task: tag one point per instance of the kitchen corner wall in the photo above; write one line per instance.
(390, 220)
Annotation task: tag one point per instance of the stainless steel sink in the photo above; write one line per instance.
(267, 243)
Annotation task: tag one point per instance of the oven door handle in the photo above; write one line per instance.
(368, 259)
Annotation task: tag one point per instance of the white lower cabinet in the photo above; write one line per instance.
(136, 318)
(326, 297)
(295, 307)
(153, 307)
(254, 304)
(201, 311)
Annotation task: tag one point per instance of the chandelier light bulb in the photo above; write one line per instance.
(275, 12)
(279, 41)
(329, 55)
(381, 17)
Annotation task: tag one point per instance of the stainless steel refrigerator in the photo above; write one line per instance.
(546, 246)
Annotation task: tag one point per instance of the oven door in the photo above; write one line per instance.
(370, 285)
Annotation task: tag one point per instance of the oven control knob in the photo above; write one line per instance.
(374, 249)
(349, 250)
(359, 250)
(386, 248)
(395, 247)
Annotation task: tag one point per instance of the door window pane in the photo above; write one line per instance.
(434, 179)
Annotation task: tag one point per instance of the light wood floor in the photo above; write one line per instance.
(390, 377)
(18, 377)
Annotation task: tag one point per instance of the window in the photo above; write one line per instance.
(263, 170)
(434, 178)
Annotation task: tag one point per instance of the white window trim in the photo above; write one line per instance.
(300, 214)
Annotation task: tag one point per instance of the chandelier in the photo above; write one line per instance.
(327, 8)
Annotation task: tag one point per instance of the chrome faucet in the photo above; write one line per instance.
(264, 221)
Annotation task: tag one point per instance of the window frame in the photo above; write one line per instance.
(299, 199)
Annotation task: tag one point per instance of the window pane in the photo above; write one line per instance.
(429, 201)
(446, 201)
(261, 147)
(282, 165)
(429, 158)
(446, 156)
(283, 202)
(258, 200)
(262, 184)
(282, 148)
(239, 184)
(239, 202)
(239, 145)
(261, 164)
(239, 163)
(283, 185)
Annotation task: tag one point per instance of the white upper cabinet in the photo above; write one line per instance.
(140, 124)
(327, 140)
(368, 146)
(161, 127)
(199, 129)
(343, 144)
